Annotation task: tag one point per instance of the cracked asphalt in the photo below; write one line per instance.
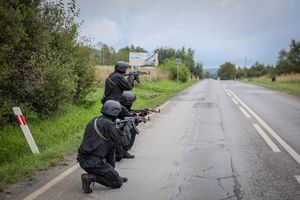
(202, 147)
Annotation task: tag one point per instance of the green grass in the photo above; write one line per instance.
(292, 88)
(57, 136)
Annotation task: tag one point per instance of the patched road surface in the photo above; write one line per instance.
(215, 140)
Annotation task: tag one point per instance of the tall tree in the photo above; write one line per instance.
(165, 54)
(43, 66)
(198, 70)
(123, 54)
(227, 71)
(289, 61)
(22, 63)
(186, 57)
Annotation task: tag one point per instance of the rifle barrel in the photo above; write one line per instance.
(146, 110)
(139, 72)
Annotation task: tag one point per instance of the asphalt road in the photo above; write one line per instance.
(215, 140)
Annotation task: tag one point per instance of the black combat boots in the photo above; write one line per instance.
(86, 180)
(127, 155)
(124, 179)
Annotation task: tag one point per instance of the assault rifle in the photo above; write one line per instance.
(137, 74)
(131, 121)
(144, 112)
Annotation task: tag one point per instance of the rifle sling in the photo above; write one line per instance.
(98, 132)
(111, 81)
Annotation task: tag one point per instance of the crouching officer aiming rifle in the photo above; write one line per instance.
(96, 154)
(131, 120)
(128, 124)
(136, 75)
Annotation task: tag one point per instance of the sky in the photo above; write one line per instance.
(238, 31)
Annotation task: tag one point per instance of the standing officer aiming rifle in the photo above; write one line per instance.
(116, 83)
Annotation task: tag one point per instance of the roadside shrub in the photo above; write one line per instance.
(183, 74)
(43, 65)
(183, 71)
(84, 73)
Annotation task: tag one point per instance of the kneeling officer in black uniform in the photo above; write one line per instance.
(96, 154)
(127, 99)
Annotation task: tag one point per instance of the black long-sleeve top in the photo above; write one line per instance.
(115, 84)
(94, 149)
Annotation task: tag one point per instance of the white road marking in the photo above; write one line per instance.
(227, 92)
(287, 147)
(297, 178)
(46, 187)
(164, 105)
(244, 112)
(160, 107)
(266, 138)
(234, 101)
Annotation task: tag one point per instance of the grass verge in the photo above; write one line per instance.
(289, 84)
(62, 134)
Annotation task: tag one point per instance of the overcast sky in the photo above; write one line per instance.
(218, 30)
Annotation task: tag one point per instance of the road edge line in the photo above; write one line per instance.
(234, 101)
(289, 149)
(51, 183)
(244, 112)
(297, 178)
(271, 144)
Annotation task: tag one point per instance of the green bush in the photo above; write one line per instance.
(84, 73)
(43, 65)
(183, 71)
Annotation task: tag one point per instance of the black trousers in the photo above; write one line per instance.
(119, 149)
(132, 139)
(105, 175)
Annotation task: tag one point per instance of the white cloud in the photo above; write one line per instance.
(158, 39)
(217, 30)
(102, 29)
(224, 3)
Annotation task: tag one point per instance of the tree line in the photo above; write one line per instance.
(288, 62)
(106, 55)
(45, 65)
(181, 56)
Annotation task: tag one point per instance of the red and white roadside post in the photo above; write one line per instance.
(21, 120)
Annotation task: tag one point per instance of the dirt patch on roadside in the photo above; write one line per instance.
(21, 189)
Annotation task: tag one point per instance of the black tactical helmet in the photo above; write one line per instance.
(111, 107)
(127, 98)
(121, 66)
